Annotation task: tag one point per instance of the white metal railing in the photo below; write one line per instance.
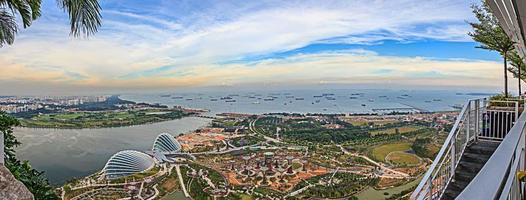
(498, 119)
(479, 119)
(465, 130)
(497, 179)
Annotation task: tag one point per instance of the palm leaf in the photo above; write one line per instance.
(84, 16)
(8, 27)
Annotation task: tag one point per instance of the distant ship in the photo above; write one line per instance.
(364, 105)
(437, 99)
(300, 99)
(177, 97)
(268, 99)
(353, 98)
(457, 106)
(213, 99)
(166, 95)
(230, 101)
(226, 98)
(317, 96)
(189, 99)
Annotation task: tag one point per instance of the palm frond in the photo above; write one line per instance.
(8, 27)
(84, 16)
(23, 8)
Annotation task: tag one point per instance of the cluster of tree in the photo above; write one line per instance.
(346, 185)
(325, 136)
(34, 180)
(420, 146)
(110, 104)
(492, 36)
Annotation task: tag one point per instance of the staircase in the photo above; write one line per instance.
(471, 162)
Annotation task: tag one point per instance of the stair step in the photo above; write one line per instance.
(483, 148)
(473, 167)
(458, 185)
(475, 158)
(449, 195)
(463, 179)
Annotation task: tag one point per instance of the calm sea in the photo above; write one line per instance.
(309, 101)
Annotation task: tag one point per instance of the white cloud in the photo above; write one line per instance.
(133, 42)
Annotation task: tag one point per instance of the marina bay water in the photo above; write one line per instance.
(68, 153)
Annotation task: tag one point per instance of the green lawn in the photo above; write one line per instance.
(380, 152)
(402, 158)
(101, 119)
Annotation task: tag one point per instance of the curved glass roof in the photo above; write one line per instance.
(166, 143)
(127, 162)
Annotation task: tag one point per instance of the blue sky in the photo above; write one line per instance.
(165, 44)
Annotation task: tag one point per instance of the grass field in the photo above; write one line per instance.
(245, 197)
(404, 129)
(100, 119)
(380, 152)
(402, 158)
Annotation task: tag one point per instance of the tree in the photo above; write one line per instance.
(491, 36)
(84, 16)
(517, 67)
(34, 180)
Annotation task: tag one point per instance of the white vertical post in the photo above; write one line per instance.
(477, 118)
(468, 121)
(2, 148)
(453, 154)
(430, 188)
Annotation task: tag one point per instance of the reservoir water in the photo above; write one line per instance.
(68, 153)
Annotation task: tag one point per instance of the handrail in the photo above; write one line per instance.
(495, 175)
(424, 190)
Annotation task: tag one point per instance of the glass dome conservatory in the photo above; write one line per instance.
(166, 143)
(125, 163)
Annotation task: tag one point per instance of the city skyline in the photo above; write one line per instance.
(165, 45)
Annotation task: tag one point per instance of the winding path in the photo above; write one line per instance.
(178, 169)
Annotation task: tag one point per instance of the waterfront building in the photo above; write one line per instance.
(127, 162)
(166, 143)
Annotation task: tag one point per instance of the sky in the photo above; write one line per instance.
(170, 45)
